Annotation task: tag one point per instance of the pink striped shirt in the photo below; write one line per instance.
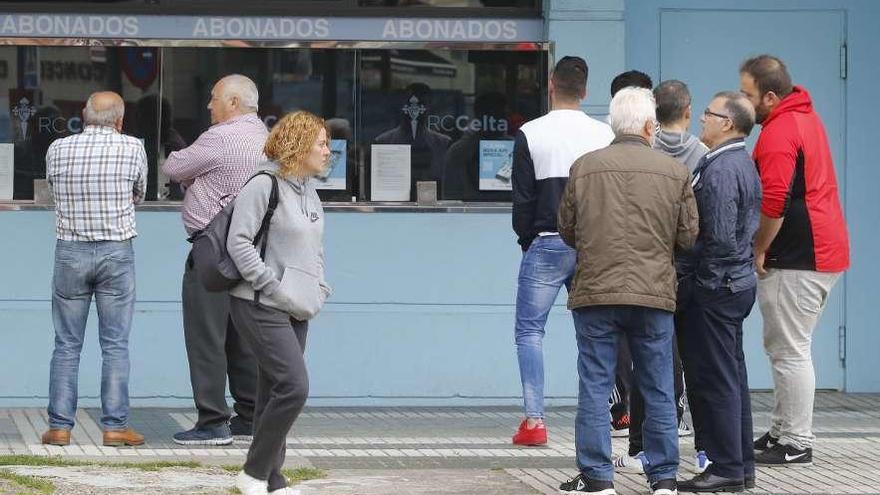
(214, 168)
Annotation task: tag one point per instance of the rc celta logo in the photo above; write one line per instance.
(23, 112)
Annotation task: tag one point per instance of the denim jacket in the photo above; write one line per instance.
(728, 192)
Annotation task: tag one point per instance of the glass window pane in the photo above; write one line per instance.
(457, 110)
(319, 81)
(45, 89)
(526, 4)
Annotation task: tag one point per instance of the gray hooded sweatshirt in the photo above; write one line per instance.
(683, 146)
(291, 278)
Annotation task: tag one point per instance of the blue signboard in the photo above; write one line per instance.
(270, 28)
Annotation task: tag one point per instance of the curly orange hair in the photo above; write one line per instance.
(291, 141)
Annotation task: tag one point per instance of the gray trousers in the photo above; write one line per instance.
(214, 350)
(791, 303)
(278, 342)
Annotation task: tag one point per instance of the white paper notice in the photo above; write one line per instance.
(390, 176)
(7, 169)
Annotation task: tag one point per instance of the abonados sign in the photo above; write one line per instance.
(270, 28)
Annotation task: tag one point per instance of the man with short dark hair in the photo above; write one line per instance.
(619, 402)
(213, 170)
(96, 178)
(630, 78)
(801, 249)
(720, 281)
(625, 210)
(543, 152)
(674, 116)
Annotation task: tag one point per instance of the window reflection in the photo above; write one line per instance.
(456, 109)
(44, 88)
(319, 81)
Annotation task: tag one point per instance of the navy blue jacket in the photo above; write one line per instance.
(728, 191)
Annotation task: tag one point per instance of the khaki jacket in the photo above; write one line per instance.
(625, 210)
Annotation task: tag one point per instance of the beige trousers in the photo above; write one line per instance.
(791, 303)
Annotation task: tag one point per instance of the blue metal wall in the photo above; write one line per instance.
(423, 303)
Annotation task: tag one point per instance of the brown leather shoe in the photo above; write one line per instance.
(56, 436)
(123, 437)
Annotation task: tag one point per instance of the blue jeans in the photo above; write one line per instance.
(546, 266)
(105, 269)
(649, 333)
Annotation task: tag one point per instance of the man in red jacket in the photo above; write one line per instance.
(801, 249)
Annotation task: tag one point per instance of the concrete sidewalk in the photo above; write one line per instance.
(452, 450)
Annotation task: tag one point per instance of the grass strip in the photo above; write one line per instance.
(33, 460)
(28, 482)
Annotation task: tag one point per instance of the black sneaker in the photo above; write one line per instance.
(664, 487)
(785, 455)
(765, 442)
(218, 435)
(582, 484)
(241, 429)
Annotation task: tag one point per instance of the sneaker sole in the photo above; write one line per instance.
(786, 464)
(620, 433)
(215, 441)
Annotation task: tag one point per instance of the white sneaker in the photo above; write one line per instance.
(701, 462)
(626, 464)
(619, 433)
(286, 491)
(249, 485)
(684, 430)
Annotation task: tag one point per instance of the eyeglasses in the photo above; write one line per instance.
(708, 112)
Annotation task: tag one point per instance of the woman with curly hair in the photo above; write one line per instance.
(281, 291)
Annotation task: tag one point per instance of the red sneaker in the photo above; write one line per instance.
(530, 436)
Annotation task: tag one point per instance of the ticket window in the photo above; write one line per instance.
(451, 114)
(396, 117)
(43, 90)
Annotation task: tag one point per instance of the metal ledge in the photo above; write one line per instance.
(330, 206)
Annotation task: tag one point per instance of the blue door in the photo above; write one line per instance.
(704, 48)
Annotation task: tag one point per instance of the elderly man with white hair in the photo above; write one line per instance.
(625, 210)
(96, 177)
(213, 169)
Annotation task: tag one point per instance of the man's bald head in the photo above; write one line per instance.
(104, 108)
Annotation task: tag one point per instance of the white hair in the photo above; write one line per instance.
(106, 117)
(242, 87)
(630, 109)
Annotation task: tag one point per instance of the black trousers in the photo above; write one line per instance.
(278, 342)
(214, 350)
(715, 371)
(637, 403)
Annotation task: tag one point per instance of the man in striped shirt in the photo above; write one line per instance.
(96, 178)
(212, 170)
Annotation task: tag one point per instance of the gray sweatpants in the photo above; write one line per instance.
(278, 342)
(791, 303)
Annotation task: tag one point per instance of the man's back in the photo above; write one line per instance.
(96, 177)
(794, 159)
(544, 152)
(216, 165)
(626, 208)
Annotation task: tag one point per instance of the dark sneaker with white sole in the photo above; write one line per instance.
(664, 487)
(785, 455)
(765, 442)
(580, 484)
(218, 435)
(241, 429)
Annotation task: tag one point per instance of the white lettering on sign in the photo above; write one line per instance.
(69, 25)
(450, 123)
(260, 27)
(449, 29)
